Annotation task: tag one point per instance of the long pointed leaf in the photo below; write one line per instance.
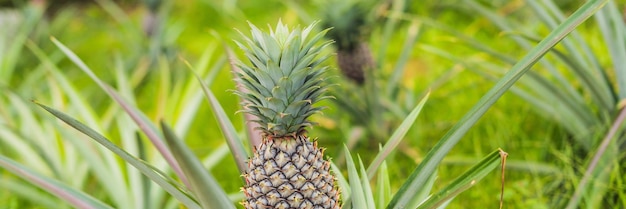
(413, 34)
(191, 99)
(233, 140)
(344, 186)
(396, 137)
(357, 197)
(611, 24)
(464, 181)
(365, 182)
(10, 56)
(440, 150)
(383, 186)
(206, 189)
(151, 172)
(142, 121)
(73, 196)
(424, 192)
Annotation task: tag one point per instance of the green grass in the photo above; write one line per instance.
(511, 124)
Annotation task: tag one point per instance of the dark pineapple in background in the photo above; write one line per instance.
(350, 22)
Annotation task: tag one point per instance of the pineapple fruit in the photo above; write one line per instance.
(353, 62)
(351, 22)
(283, 80)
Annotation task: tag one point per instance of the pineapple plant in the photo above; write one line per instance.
(283, 81)
(350, 21)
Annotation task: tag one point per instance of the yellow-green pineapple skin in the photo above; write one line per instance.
(284, 79)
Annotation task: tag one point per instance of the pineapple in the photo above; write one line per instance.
(353, 62)
(350, 21)
(283, 80)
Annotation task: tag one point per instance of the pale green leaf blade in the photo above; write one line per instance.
(12, 47)
(234, 142)
(357, 197)
(611, 25)
(73, 196)
(464, 181)
(142, 121)
(152, 173)
(206, 189)
(425, 191)
(396, 137)
(365, 183)
(340, 180)
(80, 105)
(413, 34)
(383, 185)
(191, 99)
(30, 192)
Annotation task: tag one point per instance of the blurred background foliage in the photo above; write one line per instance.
(451, 48)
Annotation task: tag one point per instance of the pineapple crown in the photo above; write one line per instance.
(284, 78)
